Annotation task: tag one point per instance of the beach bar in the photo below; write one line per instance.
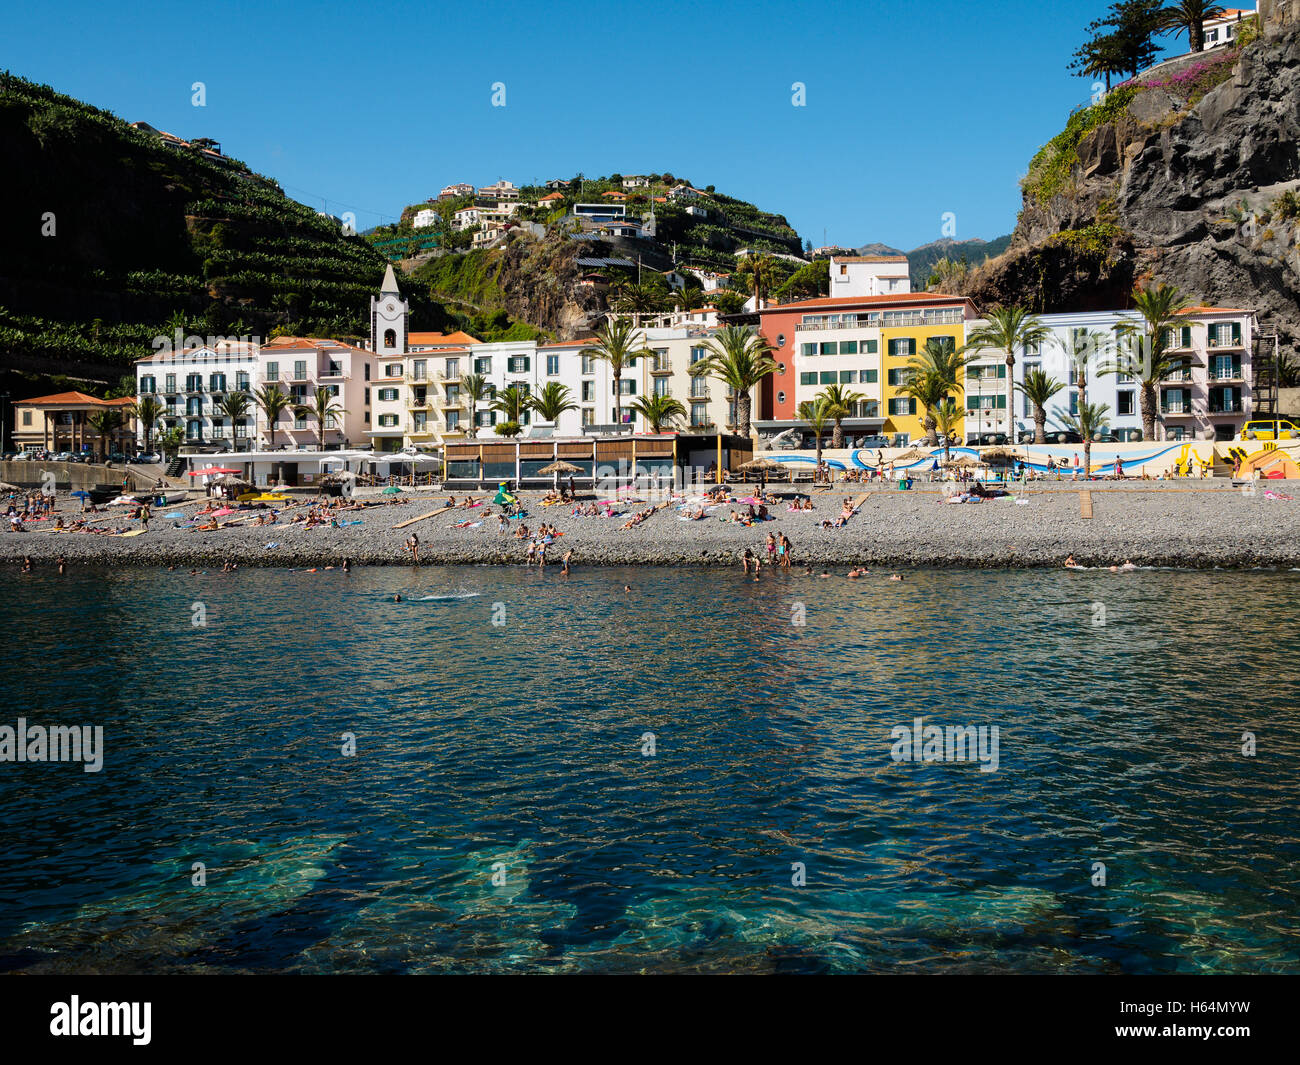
(654, 459)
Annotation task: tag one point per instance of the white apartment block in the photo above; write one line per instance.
(869, 275)
(450, 192)
(192, 383)
(425, 217)
(502, 190)
(676, 349)
(1209, 400)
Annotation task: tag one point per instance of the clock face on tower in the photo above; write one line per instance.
(389, 308)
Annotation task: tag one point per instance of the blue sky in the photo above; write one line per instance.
(912, 110)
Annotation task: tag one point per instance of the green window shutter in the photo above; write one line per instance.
(848, 347)
(807, 378)
(528, 363)
(1187, 336)
(972, 403)
(872, 347)
(911, 406)
(1002, 372)
(1236, 333)
(1002, 402)
(869, 377)
(892, 347)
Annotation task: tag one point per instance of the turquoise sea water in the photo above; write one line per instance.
(516, 749)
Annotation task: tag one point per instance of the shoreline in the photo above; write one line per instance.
(1196, 525)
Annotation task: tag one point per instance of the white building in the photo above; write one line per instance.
(192, 383)
(1224, 28)
(869, 275)
(1209, 400)
(450, 192)
(467, 218)
(425, 217)
(636, 181)
(502, 190)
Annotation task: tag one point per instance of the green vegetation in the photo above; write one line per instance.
(1122, 42)
(1050, 169)
(131, 237)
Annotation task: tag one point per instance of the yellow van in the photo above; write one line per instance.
(1272, 429)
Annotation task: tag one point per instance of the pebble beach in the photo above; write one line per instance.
(1193, 524)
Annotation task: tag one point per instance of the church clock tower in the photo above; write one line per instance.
(388, 318)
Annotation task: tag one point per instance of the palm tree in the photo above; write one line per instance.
(1084, 350)
(511, 401)
(739, 358)
(106, 423)
(688, 298)
(761, 271)
(234, 407)
(929, 390)
(817, 413)
(1039, 386)
(638, 300)
(146, 410)
(1006, 329)
(1160, 307)
(1089, 423)
(273, 402)
(552, 401)
(658, 411)
(841, 402)
(1189, 15)
(948, 416)
(477, 389)
(322, 407)
(616, 342)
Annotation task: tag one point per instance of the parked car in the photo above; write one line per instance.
(873, 441)
(985, 439)
(1270, 429)
(1063, 437)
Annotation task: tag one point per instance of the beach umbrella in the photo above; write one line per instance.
(910, 455)
(392, 490)
(965, 462)
(80, 494)
(558, 468)
(213, 471)
(1000, 455)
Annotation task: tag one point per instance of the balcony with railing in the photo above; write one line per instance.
(1177, 379)
(1225, 342)
(1177, 410)
(450, 378)
(1227, 373)
(452, 403)
(661, 367)
(419, 430)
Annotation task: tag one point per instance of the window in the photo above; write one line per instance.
(902, 405)
(588, 364)
(300, 421)
(897, 376)
(588, 391)
(387, 395)
(216, 382)
(902, 346)
(830, 348)
(146, 385)
(453, 421)
(451, 369)
(300, 370)
(661, 386)
(485, 417)
(194, 405)
(848, 377)
(242, 381)
(393, 369)
(27, 417)
(171, 382)
(700, 386)
(552, 365)
(869, 377)
(419, 369)
(627, 386)
(870, 347)
(518, 364)
(807, 378)
(483, 366)
(387, 421)
(699, 414)
(848, 347)
(1124, 402)
(827, 377)
(985, 402)
(194, 383)
(780, 340)
(367, 369)
(588, 416)
(699, 353)
(780, 398)
(367, 397)
(804, 349)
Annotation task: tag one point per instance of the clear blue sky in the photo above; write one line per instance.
(913, 109)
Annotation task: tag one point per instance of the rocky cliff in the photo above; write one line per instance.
(1188, 175)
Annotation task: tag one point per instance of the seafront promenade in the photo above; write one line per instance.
(1186, 524)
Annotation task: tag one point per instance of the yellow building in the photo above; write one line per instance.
(903, 334)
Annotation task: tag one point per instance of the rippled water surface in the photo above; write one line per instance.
(516, 749)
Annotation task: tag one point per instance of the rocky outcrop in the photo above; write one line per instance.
(1179, 187)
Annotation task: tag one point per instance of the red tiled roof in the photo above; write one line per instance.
(1214, 310)
(69, 399)
(830, 302)
(458, 336)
